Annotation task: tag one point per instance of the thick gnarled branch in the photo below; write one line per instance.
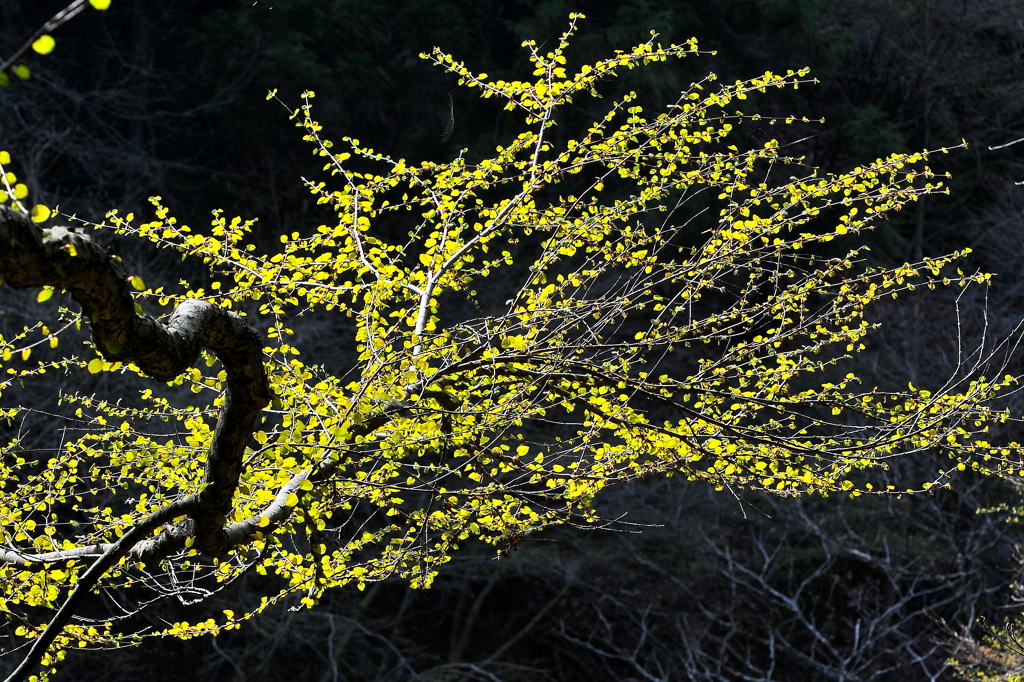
(64, 259)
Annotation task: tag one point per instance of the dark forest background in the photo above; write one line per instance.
(169, 98)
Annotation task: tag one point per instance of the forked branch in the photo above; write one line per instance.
(64, 259)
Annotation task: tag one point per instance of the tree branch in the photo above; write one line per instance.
(55, 21)
(64, 259)
(87, 580)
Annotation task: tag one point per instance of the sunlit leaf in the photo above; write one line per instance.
(44, 44)
(41, 213)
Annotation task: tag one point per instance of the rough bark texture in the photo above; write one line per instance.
(64, 259)
(33, 257)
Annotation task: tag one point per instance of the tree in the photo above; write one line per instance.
(487, 399)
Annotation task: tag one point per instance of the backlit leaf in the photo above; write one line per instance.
(44, 44)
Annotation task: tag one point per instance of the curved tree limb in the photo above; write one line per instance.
(64, 259)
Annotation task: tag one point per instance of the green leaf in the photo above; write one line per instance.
(22, 72)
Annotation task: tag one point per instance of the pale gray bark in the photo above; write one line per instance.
(61, 258)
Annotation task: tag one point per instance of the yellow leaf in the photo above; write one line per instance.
(100, 4)
(292, 500)
(44, 44)
(20, 191)
(41, 213)
(5, 158)
(44, 295)
(95, 366)
(263, 522)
